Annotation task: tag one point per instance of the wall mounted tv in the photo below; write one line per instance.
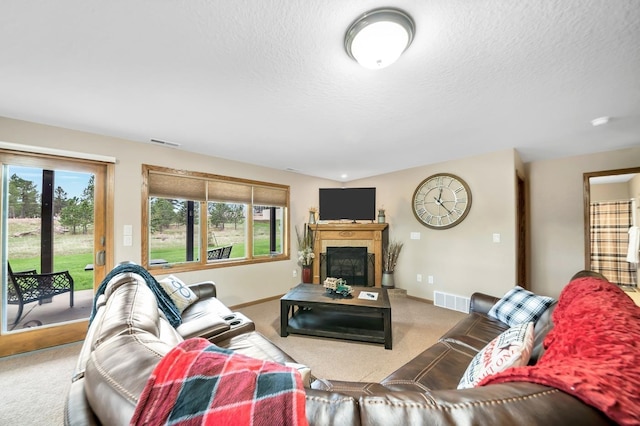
(347, 203)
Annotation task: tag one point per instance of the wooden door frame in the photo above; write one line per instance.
(44, 337)
(522, 277)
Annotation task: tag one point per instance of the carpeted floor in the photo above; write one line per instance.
(33, 386)
(416, 326)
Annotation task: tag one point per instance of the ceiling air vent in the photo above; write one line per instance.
(165, 143)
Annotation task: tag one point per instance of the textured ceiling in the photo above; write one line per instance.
(268, 82)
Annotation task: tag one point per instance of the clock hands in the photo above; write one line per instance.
(441, 203)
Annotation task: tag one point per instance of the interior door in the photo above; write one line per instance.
(521, 233)
(54, 219)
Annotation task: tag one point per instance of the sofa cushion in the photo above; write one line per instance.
(543, 326)
(510, 349)
(255, 345)
(475, 331)
(130, 305)
(179, 292)
(520, 306)
(438, 367)
(209, 305)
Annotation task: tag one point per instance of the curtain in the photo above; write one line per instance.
(610, 223)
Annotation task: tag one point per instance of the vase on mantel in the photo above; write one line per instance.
(306, 274)
(387, 279)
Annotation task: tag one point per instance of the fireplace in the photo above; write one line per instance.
(353, 264)
(373, 236)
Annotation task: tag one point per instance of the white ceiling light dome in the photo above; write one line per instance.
(378, 38)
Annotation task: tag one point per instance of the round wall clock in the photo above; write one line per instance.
(441, 201)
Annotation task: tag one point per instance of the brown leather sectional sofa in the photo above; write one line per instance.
(129, 335)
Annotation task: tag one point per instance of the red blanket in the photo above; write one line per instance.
(198, 383)
(593, 351)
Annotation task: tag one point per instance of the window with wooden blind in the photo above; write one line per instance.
(194, 220)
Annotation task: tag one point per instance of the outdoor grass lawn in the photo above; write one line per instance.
(75, 264)
(176, 253)
(172, 249)
(75, 252)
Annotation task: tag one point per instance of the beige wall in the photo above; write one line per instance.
(557, 214)
(609, 192)
(235, 284)
(462, 259)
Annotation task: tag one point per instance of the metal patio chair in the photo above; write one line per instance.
(28, 286)
(219, 253)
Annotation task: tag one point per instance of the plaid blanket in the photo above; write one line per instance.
(198, 383)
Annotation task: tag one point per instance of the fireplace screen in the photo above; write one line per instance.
(353, 264)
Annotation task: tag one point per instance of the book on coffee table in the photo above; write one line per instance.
(368, 295)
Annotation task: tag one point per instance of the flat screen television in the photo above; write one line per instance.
(347, 203)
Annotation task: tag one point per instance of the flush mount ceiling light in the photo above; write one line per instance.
(600, 121)
(378, 38)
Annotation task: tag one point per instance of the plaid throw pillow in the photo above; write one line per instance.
(519, 306)
(512, 348)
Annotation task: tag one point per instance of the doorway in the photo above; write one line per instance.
(611, 212)
(53, 226)
(521, 233)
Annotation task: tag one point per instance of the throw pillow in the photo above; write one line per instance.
(178, 291)
(520, 306)
(510, 349)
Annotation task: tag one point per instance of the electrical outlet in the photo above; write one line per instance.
(419, 278)
(295, 273)
(430, 279)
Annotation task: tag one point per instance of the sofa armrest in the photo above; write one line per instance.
(204, 289)
(481, 303)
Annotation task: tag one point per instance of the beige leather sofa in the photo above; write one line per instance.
(129, 335)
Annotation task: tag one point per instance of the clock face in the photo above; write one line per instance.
(441, 201)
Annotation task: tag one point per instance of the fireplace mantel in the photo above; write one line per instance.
(371, 235)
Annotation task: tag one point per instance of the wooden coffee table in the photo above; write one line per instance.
(308, 309)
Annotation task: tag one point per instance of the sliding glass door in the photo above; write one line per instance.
(54, 248)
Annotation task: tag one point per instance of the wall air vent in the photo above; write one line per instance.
(451, 301)
(165, 143)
